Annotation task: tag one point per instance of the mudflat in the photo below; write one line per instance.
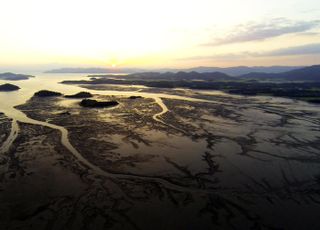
(190, 160)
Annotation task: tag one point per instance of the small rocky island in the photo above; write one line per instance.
(97, 104)
(80, 95)
(8, 87)
(47, 93)
(14, 77)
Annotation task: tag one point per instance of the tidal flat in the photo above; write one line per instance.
(162, 159)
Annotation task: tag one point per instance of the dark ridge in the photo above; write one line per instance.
(315, 101)
(80, 95)
(311, 73)
(97, 104)
(8, 87)
(47, 93)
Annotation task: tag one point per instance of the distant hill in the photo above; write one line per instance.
(171, 76)
(240, 70)
(14, 77)
(311, 73)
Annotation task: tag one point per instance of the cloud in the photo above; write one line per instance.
(261, 31)
(309, 49)
(227, 56)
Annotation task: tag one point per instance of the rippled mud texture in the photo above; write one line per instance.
(5, 126)
(229, 163)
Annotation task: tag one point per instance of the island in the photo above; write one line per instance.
(80, 95)
(8, 87)
(47, 93)
(97, 104)
(135, 97)
(14, 77)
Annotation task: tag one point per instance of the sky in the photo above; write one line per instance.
(158, 33)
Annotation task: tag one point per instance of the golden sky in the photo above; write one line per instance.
(166, 33)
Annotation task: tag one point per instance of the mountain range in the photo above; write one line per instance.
(232, 71)
(311, 73)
